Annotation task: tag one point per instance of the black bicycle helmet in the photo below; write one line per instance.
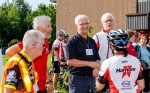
(118, 39)
(61, 32)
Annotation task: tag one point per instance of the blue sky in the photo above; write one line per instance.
(33, 3)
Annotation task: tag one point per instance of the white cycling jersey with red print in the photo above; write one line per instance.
(121, 73)
(57, 46)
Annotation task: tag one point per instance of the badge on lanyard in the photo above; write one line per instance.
(89, 52)
(36, 88)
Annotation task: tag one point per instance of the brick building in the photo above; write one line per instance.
(126, 13)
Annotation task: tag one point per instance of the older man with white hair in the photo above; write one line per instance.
(41, 23)
(82, 57)
(101, 40)
(18, 74)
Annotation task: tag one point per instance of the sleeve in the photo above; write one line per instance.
(12, 77)
(103, 74)
(140, 76)
(97, 57)
(71, 49)
(95, 37)
(56, 45)
(20, 44)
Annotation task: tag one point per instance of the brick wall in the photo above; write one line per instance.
(67, 10)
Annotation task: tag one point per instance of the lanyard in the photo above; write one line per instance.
(86, 43)
(29, 65)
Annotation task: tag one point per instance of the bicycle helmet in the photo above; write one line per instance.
(118, 39)
(61, 32)
(66, 35)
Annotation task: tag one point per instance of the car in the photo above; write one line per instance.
(4, 49)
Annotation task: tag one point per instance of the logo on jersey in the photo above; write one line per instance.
(126, 83)
(126, 70)
(124, 61)
(11, 76)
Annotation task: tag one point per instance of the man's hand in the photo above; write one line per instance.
(63, 63)
(95, 72)
(50, 88)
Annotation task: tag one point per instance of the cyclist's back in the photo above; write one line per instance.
(123, 71)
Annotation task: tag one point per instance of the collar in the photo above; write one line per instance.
(79, 36)
(26, 56)
(118, 54)
(104, 31)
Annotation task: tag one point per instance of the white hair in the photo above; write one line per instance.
(40, 21)
(79, 17)
(103, 18)
(30, 37)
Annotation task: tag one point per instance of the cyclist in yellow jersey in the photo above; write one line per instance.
(18, 75)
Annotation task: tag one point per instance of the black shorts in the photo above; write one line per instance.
(56, 66)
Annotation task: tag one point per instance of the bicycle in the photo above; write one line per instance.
(63, 77)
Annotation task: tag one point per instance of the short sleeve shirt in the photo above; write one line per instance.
(121, 72)
(57, 46)
(13, 75)
(76, 49)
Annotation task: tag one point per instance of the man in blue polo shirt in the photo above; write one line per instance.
(82, 58)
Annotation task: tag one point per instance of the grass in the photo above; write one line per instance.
(6, 58)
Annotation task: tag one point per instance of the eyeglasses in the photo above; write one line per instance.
(43, 45)
(82, 24)
(110, 20)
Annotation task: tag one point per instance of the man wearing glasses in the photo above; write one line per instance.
(18, 74)
(100, 38)
(82, 58)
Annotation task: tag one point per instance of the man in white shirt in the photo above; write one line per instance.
(100, 38)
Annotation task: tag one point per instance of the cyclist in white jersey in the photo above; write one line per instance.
(123, 71)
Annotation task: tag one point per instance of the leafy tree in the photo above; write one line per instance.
(16, 18)
(12, 42)
(90, 33)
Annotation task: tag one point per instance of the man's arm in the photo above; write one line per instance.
(79, 63)
(58, 58)
(96, 70)
(49, 83)
(99, 86)
(9, 90)
(141, 84)
(12, 50)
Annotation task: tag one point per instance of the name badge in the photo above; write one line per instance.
(89, 52)
(36, 88)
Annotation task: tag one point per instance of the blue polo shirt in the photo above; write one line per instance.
(76, 49)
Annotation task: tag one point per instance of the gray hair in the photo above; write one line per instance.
(40, 21)
(79, 17)
(30, 37)
(103, 18)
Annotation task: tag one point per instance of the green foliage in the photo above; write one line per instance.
(12, 42)
(16, 18)
(90, 33)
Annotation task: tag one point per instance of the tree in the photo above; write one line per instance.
(13, 23)
(16, 18)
